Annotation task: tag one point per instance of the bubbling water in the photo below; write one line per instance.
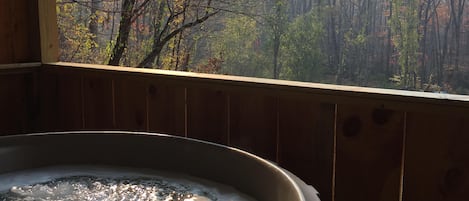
(105, 184)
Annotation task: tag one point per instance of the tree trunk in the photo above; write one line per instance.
(93, 24)
(334, 45)
(276, 53)
(423, 69)
(124, 30)
(389, 47)
(161, 38)
(444, 52)
(278, 31)
(457, 14)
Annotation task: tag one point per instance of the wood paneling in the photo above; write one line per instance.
(130, 103)
(70, 102)
(61, 101)
(437, 158)
(15, 103)
(253, 123)
(166, 108)
(369, 153)
(207, 111)
(348, 151)
(98, 103)
(19, 35)
(337, 94)
(6, 33)
(25, 26)
(306, 141)
(48, 101)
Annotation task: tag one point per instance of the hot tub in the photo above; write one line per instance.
(243, 171)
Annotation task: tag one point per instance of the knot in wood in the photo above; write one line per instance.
(381, 116)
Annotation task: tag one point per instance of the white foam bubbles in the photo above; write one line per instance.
(109, 183)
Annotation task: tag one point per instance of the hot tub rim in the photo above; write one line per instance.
(284, 173)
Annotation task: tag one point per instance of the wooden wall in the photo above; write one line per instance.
(350, 145)
(19, 32)
(19, 57)
(18, 98)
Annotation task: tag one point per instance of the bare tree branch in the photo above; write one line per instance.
(149, 59)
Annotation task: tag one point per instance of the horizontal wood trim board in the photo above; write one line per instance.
(19, 68)
(19, 65)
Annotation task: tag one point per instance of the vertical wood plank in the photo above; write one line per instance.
(306, 142)
(25, 26)
(34, 38)
(130, 104)
(19, 36)
(166, 108)
(19, 28)
(253, 123)
(13, 116)
(98, 103)
(31, 92)
(369, 153)
(70, 102)
(207, 112)
(437, 157)
(6, 33)
(48, 101)
(48, 31)
(61, 101)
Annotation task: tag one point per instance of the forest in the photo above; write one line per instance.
(419, 45)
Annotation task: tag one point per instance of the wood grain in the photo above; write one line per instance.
(49, 34)
(48, 101)
(34, 42)
(306, 141)
(61, 101)
(130, 104)
(98, 103)
(6, 33)
(19, 36)
(13, 104)
(253, 123)
(31, 91)
(437, 157)
(392, 99)
(25, 27)
(207, 111)
(70, 102)
(369, 137)
(369, 153)
(166, 108)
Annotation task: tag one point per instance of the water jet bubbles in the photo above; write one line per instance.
(119, 185)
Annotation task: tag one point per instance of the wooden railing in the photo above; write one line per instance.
(351, 143)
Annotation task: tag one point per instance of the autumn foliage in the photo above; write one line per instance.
(403, 44)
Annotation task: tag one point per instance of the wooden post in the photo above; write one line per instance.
(48, 31)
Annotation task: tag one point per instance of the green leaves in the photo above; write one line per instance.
(404, 25)
(77, 42)
(241, 47)
(302, 58)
